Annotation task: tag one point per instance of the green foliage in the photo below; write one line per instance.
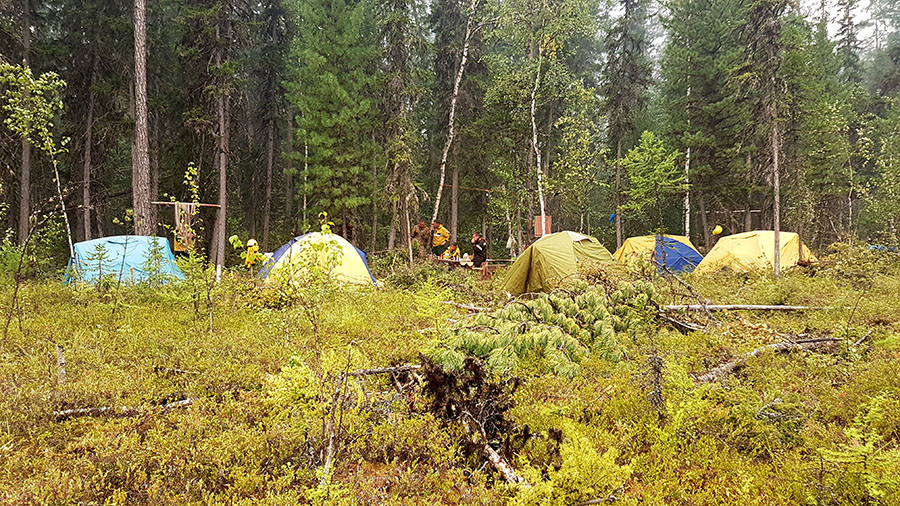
(154, 275)
(31, 105)
(555, 332)
(652, 178)
(330, 82)
(586, 473)
(868, 462)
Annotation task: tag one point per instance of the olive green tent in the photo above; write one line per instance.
(552, 259)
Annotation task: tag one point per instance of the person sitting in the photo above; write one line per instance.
(451, 253)
(440, 237)
(479, 245)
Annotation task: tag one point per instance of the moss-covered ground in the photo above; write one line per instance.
(809, 427)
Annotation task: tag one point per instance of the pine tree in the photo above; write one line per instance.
(848, 46)
(140, 158)
(402, 42)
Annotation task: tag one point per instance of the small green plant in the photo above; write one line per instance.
(200, 281)
(652, 177)
(154, 260)
(869, 464)
(98, 258)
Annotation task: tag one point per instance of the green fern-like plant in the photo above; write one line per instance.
(554, 332)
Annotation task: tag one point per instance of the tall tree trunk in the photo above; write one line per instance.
(86, 167)
(395, 220)
(305, 174)
(776, 180)
(407, 231)
(289, 169)
(687, 183)
(223, 104)
(520, 239)
(618, 193)
(25, 175)
(375, 206)
(267, 208)
(154, 170)
(687, 194)
(140, 168)
(451, 123)
(534, 141)
(454, 197)
(704, 222)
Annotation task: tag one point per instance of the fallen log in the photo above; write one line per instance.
(501, 465)
(729, 367)
(683, 327)
(120, 411)
(739, 307)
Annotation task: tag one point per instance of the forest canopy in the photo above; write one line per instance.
(481, 115)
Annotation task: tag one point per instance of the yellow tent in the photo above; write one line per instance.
(351, 269)
(754, 251)
(674, 251)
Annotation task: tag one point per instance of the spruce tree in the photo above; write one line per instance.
(331, 86)
(701, 102)
(763, 88)
(628, 74)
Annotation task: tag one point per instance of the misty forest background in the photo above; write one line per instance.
(374, 110)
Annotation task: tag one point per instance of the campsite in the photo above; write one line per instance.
(450, 252)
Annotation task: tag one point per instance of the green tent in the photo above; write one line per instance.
(552, 259)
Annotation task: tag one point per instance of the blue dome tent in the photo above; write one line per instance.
(672, 251)
(124, 255)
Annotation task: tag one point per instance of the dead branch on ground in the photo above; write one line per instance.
(784, 346)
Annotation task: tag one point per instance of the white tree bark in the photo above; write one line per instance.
(451, 123)
(776, 180)
(25, 175)
(534, 140)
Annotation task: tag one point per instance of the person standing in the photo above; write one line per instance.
(421, 235)
(439, 239)
(479, 246)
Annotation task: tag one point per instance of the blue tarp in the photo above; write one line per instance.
(133, 249)
(676, 255)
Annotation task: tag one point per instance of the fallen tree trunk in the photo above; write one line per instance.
(739, 307)
(683, 327)
(729, 367)
(501, 465)
(121, 411)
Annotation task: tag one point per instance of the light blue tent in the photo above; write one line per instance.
(125, 256)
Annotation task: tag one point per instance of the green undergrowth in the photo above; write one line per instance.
(586, 392)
